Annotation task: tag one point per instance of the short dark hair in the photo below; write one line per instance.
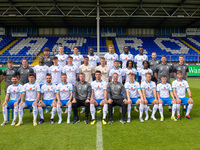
(75, 47)
(10, 61)
(70, 57)
(115, 73)
(81, 74)
(54, 58)
(86, 57)
(116, 61)
(102, 58)
(97, 71)
(163, 76)
(31, 75)
(63, 74)
(46, 49)
(48, 75)
(163, 56)
(181, 56)
(128, 63)
(14, 76)
(179, 72)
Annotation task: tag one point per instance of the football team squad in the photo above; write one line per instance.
(95, 83)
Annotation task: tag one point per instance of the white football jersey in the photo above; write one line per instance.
(180, 87)
(14, 91)
(49, 91)
(64, 90)
(62, 59)
(88, 71)
(77, 59)
(127, 71)
(143, 72)
(120, 73)
(55, 72)
(71, 72)
(93, 60)
(31, 91)
(104, 72)
(124, 58)
(41, 72)
(148, 88)
(99, 88)
(164, 90)
(110, 58)
(139, 60)
(133, 88)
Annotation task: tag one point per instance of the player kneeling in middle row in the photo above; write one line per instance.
(163, 90)
(98, 97)
(132, 87)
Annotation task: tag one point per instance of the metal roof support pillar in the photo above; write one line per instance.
(98, 29)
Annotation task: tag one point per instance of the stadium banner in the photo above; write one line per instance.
(19, 34)
(193, 31)
(194, 70)
(2, 31)
(178, 34)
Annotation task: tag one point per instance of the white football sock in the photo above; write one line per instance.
(92, 111)
(178, 106)
(105, 109)
(5, 112)
(53, 112)
(35, 111)
(173, 109)
(161, 110)
(59, 112)
(40, 110)
(189, 109)
(15, 113)
(146, 110)
(155, 107)
(69, 111)
(21, 112)
(141, 109)
(129, 110)
(169, 107)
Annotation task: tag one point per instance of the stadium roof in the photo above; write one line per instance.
(113, 13)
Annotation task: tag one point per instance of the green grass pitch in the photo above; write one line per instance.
(184, 134)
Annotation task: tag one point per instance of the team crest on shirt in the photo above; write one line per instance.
(179, 68)
(151, 63)
(167, 67)
(157, 62)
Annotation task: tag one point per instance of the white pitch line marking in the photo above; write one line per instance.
(99, 142)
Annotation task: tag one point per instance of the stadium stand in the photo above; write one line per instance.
(172, 47)
(30, 47)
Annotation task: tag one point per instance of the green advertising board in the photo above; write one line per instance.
(194, 70)
(3, 68)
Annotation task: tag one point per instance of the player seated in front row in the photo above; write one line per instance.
(98, 97)
(179, 87)
(47, 98)
(163, 90)
(115, 98)
(64, 94)
(132, 88)
(14, 94)
(149, 94)
(31, 94)
(81, 97)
